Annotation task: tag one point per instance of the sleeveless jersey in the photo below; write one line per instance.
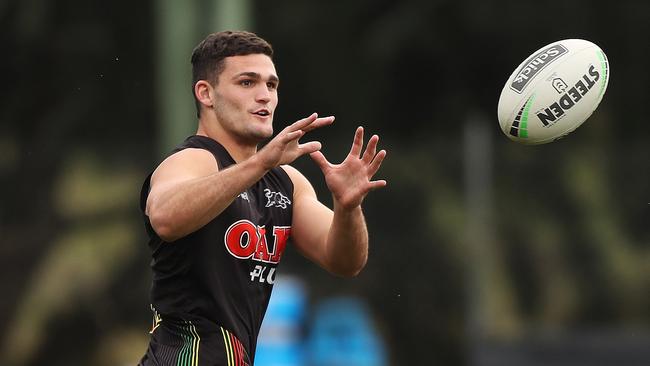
(215, 283)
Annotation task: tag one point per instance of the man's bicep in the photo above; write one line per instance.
(180, 167)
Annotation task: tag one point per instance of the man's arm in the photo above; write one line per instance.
(337, 240)
(188, 190)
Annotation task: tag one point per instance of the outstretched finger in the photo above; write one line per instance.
(319, 122)
(320, 160)
(371, 149)
(357, 143)
(376, 163)
(302, 123)
(375, 184)
(292, 136)
(309, 147)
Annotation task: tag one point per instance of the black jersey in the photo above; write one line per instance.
(215, 283)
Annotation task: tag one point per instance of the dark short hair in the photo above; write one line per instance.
(208, 56)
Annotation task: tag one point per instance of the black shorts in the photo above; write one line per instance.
(179, 344)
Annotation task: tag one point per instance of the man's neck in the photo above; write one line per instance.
(239, 150)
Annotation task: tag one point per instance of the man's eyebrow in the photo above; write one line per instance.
(257, 76)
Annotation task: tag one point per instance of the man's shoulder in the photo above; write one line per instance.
(300, 182)
(293, 173)
(191, 156)
(190, 162)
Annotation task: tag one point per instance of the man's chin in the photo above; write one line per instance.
(257, 137)
(265, 133)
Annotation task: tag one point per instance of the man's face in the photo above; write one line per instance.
(246, 97)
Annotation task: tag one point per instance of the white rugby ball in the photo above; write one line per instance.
(553, 91)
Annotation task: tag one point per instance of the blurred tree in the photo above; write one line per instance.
(76, 122)
(80, 122)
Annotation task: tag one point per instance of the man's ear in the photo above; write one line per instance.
(204, 93)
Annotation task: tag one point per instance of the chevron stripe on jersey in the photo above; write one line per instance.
(189, 353)
(235, 352)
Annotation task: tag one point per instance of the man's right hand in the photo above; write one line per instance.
(284, 148)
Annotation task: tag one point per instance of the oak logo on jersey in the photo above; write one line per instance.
(276, 199)
(246, 240)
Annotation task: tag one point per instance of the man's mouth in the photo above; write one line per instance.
(262, 113)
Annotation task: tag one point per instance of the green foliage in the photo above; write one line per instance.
(561, 244)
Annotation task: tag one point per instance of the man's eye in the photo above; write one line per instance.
(272, 85)
(246, 82)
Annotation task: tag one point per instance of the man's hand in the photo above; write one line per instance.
(350, 181)
(284, 148)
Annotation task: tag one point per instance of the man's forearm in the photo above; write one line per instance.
(187, 206)
(347, 241)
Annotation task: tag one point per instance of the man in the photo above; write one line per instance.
(219, 212)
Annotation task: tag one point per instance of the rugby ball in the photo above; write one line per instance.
(553, 91)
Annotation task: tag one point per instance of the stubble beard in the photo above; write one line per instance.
(230, 118)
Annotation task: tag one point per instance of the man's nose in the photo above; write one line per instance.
(263, 94)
